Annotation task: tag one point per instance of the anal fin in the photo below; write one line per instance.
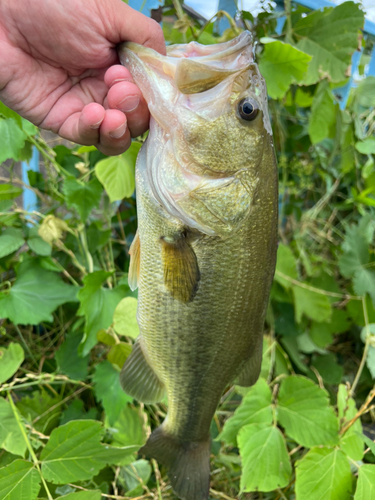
(139, 380)
(135, 261)
(181, 271)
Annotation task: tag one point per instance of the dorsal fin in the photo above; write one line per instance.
(181, 271)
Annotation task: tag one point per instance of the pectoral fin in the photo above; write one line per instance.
(139, 380)
(181, 271)
(251, 369)
(135, 262)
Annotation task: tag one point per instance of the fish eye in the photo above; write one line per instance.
(248, 109)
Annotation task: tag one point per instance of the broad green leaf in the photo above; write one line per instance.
(286, 264)
(83, 196)
(8, 192)
(364, 282)
(10, 240)
(9, 113)
(323, 113)
(35, 294)
(83, 495)
(303, 410)
(322, 333)
(97, 305)
(314, 305)
(19, 481)
(74, 452)
(119, 353)
(356, 251)
(370, 360)
(6, 458)
(366, 147)
(40, 410)
(11, 438)
(11, 359)
(68, 361)
(125, 317)
(12, 139)
(331, 37)
(108, 391)
(254, 409)
(265, 461)
(117, 173)
(351, 442)
(330, 371)
(366, 483)
(324, 474)
(105, 337)
(281, 65)
(37, 244)
(28, 127)
(128, 429)
(135, 475)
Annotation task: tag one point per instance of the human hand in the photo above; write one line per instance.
(59, 68)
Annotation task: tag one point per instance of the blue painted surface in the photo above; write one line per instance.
(230, 7)
(147, 5)
(371, 67)
(30, 200)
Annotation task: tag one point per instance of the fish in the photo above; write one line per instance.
(204, 254)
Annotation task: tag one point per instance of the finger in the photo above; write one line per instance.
(133, 26)
(116, 74)
(127, 97)
(114, 133)
(89, 123)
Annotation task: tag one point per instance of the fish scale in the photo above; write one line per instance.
(206, 247)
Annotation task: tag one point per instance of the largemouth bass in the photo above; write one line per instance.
(204, 255)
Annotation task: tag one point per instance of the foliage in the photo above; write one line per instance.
(67, 430)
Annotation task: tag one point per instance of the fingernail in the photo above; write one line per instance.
(96, 125)
(119, 132)
(129, 103)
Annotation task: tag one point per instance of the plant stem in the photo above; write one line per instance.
(365, 350)
(28, 444)
(25, 345)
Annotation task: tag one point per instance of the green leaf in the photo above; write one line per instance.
(135, 475)
(125, 317)
(97, 305)
(324, 474)
(330, 371)
(108, 390)
(265, 461)
(83, 196)
(8, 192)
(11, 438)
(366, 147)
(323, 113)
(351, 442)
(12, 139)
(254, 409)
(76, 411)
(117, 173)
(10, 240)
(128, 429)
(303, 410)
(366, 483)
(19, 481)
(364, 282)
(68, 360)
(11, 359)
(37, 244)
(9, 113)
(35, 295)
(356, 252)
(331, 37)
(40, 410)
(74, 452)
(281, 65)
(83, 495)
(119, 353)
(314, 305)
(286, 264)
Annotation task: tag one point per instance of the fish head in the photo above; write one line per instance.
(210, 101)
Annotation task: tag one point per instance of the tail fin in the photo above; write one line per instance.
(188, 463)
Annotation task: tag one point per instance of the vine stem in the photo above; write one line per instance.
(28, 444)
(365, 350)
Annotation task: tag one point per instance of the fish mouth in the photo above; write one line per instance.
(192, 68)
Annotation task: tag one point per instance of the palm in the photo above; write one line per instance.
(63, 77)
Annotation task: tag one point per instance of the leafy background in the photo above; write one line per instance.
(306, 429)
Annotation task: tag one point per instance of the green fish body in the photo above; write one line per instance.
(204, 256)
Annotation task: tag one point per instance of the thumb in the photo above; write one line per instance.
(132, 26)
